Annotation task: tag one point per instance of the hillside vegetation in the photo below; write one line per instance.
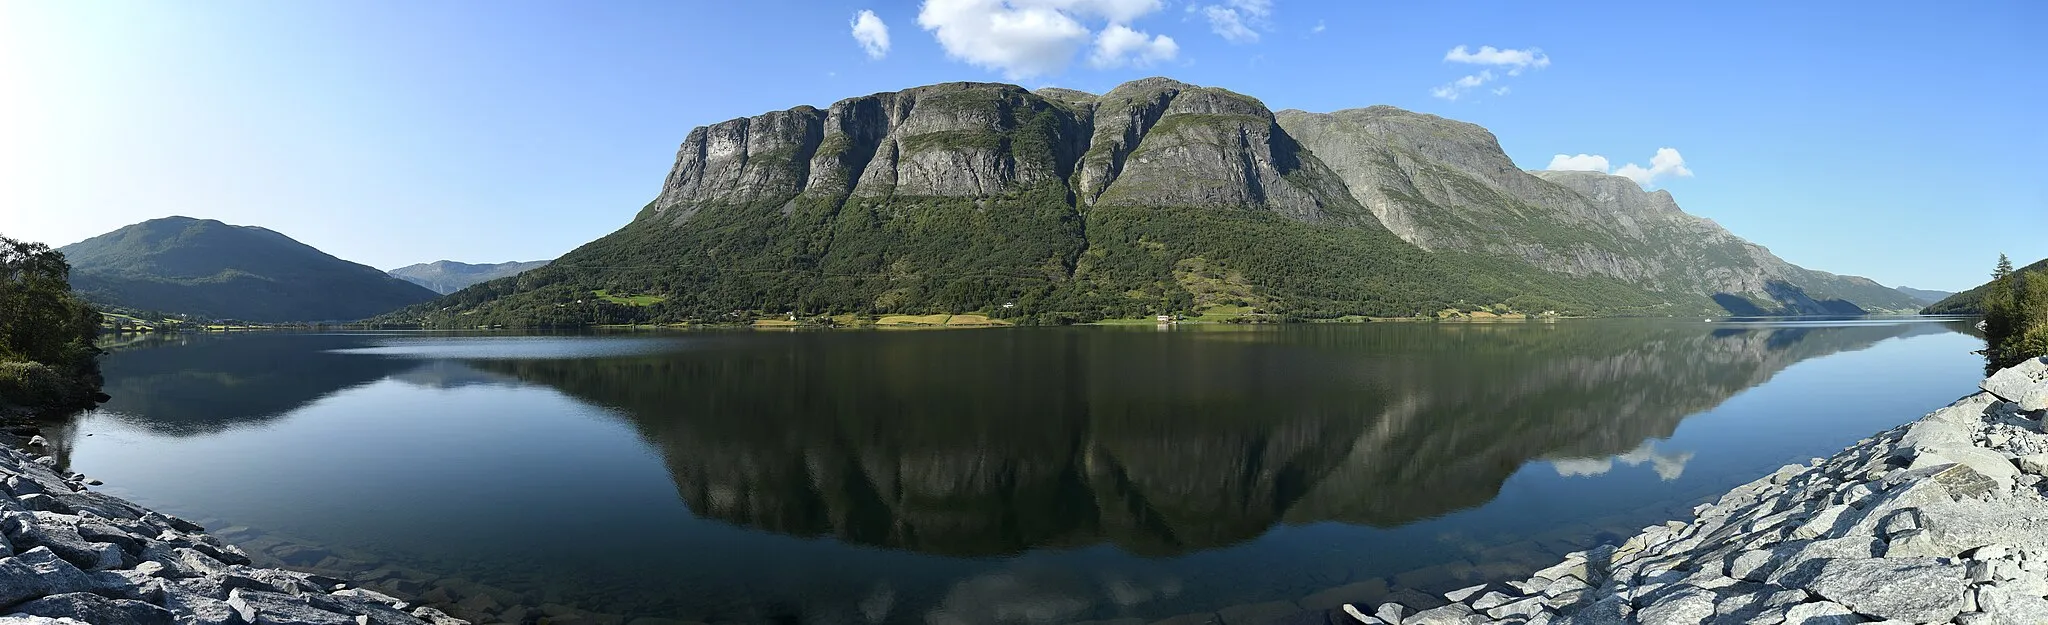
(47, 358)
(209, 269)
(1971, 302)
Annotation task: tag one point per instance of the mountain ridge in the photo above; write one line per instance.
(1157, 196)
(210, 269)
(448, 276)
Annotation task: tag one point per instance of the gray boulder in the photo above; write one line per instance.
(269, 608)
(1683, 607)
(1820, 613)
(2025, 384)
(1910, 589)
(97, 610)
(39, 572)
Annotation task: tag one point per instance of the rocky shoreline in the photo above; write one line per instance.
(72, 555)
(1942, 520)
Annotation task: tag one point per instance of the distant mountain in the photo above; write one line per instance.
(210, 269)
(1971, 302)
(1924, 296)
(1156, 197)
(447, 276)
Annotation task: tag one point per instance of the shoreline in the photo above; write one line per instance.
(1944, 519)
(74, 555)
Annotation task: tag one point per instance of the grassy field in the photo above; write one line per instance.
(775, 323)
(939, 320)
(628, 300)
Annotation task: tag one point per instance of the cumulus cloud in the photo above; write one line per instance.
(1030, 38)
(1510, 62)
(1514, 60)
(872, 34)
(1119, 45)
(1582, 162)
(1236, 21)
(1666, 163)
(1019, 41)
(1116, 11)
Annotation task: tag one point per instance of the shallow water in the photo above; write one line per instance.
(1021, 475)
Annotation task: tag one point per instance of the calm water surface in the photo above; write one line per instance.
(1020, 475)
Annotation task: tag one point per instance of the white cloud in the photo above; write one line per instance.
(1582, 162)
(1019, 41)
(1116, 11)
(1458, 87)
(1511, 62)
(1666, 163)
(1236, 20)
(1319, 28)
(872, 34)
(1119, 45)
(1030, 38)
(1489, 55)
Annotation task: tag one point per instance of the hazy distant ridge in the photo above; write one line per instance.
(447, 276)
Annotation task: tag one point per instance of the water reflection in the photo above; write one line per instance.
(193, 385)
(1161, 444)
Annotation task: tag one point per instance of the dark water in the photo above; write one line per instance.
(1022, 475)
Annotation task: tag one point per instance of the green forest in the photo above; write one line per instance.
(47, 357)
(2015, 306)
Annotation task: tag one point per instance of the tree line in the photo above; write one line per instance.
(2015, 315)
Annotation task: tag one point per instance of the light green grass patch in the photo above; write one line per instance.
(628, 300)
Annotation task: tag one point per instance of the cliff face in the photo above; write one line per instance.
(1153, 142)
(1155, 197)
(1447, 185)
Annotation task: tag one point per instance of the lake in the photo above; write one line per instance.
(1030, 475)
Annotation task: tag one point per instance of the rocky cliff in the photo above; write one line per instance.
(1446, 185)
(1155, 197)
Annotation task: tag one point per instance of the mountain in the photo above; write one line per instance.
(210, 269)
(1155, 197)
(1971, 302)
(1924, 296)
(1447, 185)
(447, 276)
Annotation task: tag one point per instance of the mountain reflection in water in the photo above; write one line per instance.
(1160, 446)
(1052, 473)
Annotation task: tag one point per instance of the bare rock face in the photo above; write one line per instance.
(1164, 143)
(1447, 185)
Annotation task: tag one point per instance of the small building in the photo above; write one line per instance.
(1166, 318)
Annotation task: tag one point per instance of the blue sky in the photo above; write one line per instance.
(1900, 141)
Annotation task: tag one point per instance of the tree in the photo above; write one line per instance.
(2015, 315)
(46, 333)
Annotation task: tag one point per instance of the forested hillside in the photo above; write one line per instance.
(209, 269)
